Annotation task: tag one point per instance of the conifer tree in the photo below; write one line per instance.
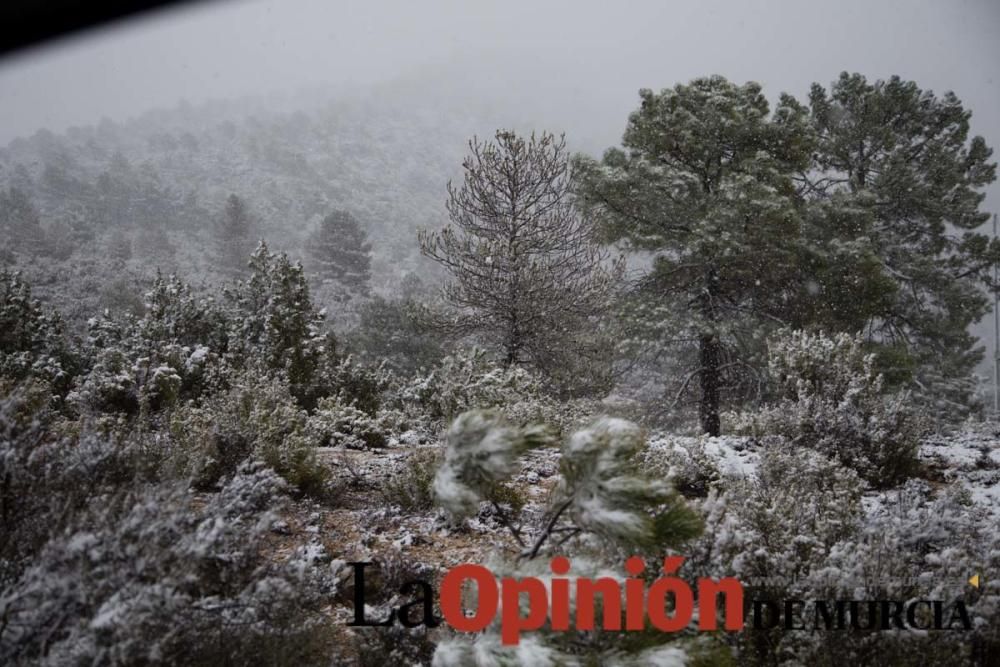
(528, 277)
(704, 181)
(32, 340)
(19, 222)
(339, 251)
(234, 236)
(901, 160)
(275, 325)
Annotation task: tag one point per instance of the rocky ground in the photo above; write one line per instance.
(364, 523)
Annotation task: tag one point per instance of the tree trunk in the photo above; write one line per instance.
(711, 359)
(708, 408)
(510, 357)
(512, 337)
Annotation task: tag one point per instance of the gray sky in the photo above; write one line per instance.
(596, 53)
(578, 63)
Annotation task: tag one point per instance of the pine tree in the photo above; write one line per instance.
(275, 325)
(528, 276)
(19, 222)
(32, 341)
(605, 504)
(234, 236)
(704, 181)
(115, 201)
(901, 159)
(339, 251)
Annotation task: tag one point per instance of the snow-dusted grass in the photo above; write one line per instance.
(969, 458)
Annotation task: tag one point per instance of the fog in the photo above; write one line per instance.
(291, 290)
(578, 61)
(562, 65)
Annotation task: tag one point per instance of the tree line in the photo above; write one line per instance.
(857, 211)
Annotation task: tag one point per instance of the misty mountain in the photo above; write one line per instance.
(157, 182)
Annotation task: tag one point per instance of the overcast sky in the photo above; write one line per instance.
(578, 63)
(575, 60)
(606, 49)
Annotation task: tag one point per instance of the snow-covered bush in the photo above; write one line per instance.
(784, 520)
(799, 529)
(175, 314)
(120, 382)
(470, 380)
(32, 340)
(48, 471)
(110, 386)
(920, 539)
(257, 418)
(922, 544)
(169, 354)
(146, 577)
(184, 346)
(412, 488)
(830, 399)
(356, 384)
(334, 424)
(687, 464)
(603, 507)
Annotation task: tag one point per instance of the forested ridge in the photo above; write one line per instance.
(243, 345)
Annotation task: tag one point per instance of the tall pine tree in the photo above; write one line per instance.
(704, 181)
(898, 162)
(529, 278)
(234, 231)
(339, 251)
(20, 222)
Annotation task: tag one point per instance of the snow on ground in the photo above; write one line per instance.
(372, 528)
(734, 455)
(971, 458)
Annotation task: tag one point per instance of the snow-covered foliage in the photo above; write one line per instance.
(470, 380)
(50, 470)
(334, 424)
(783, 519)
(145, 577)
(168, 354)
(31, 338)
(830, 399)
(602, 507)
(686, 463)
(800, 526)
(108, 557)
(481, 451)
(257, 418)
(119, 382)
